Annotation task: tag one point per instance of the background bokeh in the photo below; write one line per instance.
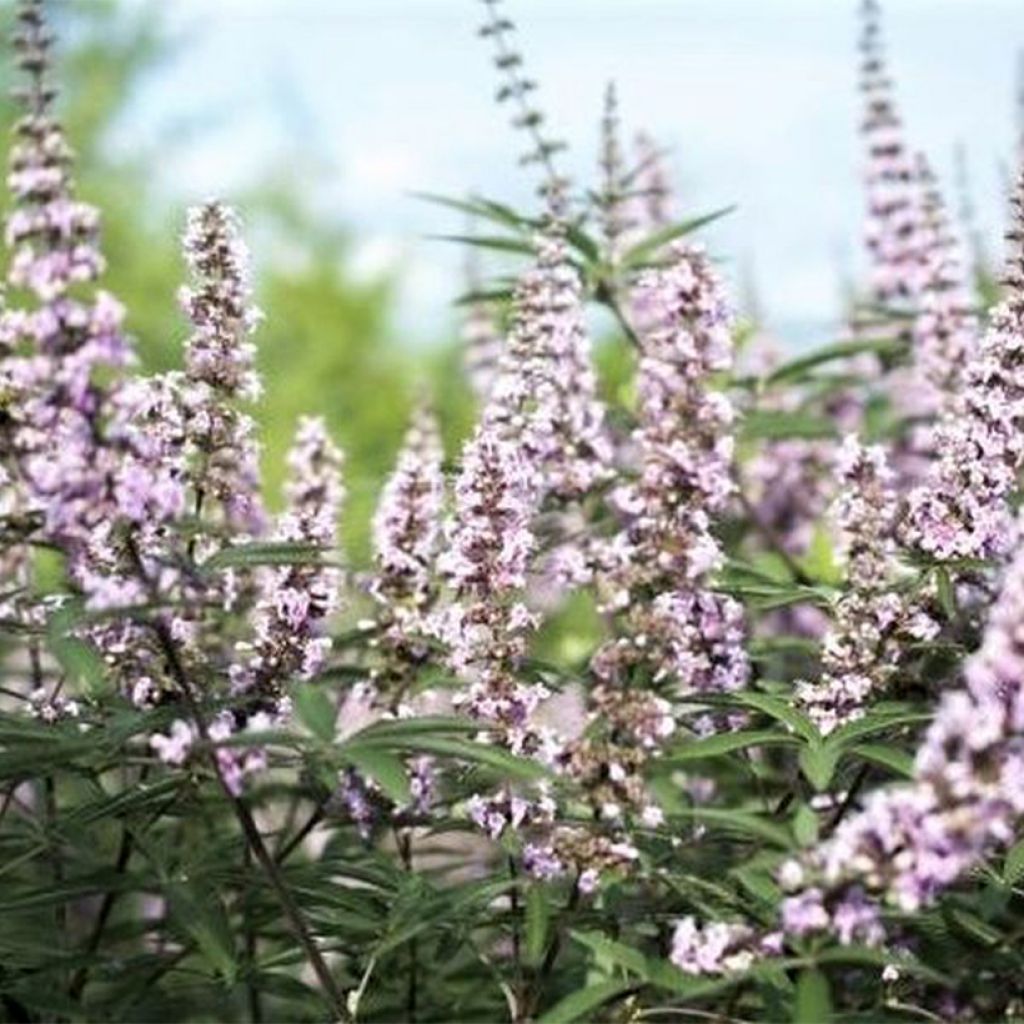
(320, 118)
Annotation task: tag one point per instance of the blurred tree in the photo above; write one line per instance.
(327, 345)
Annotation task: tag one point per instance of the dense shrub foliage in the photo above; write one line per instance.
(696, 693)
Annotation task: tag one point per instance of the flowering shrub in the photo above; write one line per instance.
(696, 697)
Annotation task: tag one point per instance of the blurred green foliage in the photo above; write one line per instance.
(327, 345)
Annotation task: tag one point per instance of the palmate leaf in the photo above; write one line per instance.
(201, 914)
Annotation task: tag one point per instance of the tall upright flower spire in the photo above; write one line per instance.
(874, 620)
(489, 547)
(487, 626)
(219, 369)
(295, 600)
(614, 206)
(545, 395)
(960, 510)
(406, 539)
(685, 446)
(945, 328)
(651, 186)
(517, 90)
(892, 227)
(481, 339)
(654, 571)
(53, 236)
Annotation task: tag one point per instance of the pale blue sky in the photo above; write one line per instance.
(756, 98)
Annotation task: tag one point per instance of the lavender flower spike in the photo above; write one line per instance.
(945, 328)
(892, 228)
(406, 529)
(219, 366)
(685, 448)
(487, 627)
(960, 510)
(490, 544)
(545, 394)
(296, 599)
(874, 620)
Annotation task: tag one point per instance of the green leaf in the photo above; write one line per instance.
(899, 762)
(269, 553)
(610, 953)
(538, 917)
(501, 243)
(722, 743)
(397, 730)
(583, 243)
(813, 1003)
(76, 657)
(805, 825)
(315, 710)
(765, 591)
(873, 956)
(777, 424)
(200, 912)
(780, 710)
(945, 591)
(818, 763)
(1013, 865)
(583, 1003)
(977, 928)
(743, 823)
(643, 251)
(820, 562)
(797, 369)
(876, 721)
(463, 750)
(477, 206)
(384, 767)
